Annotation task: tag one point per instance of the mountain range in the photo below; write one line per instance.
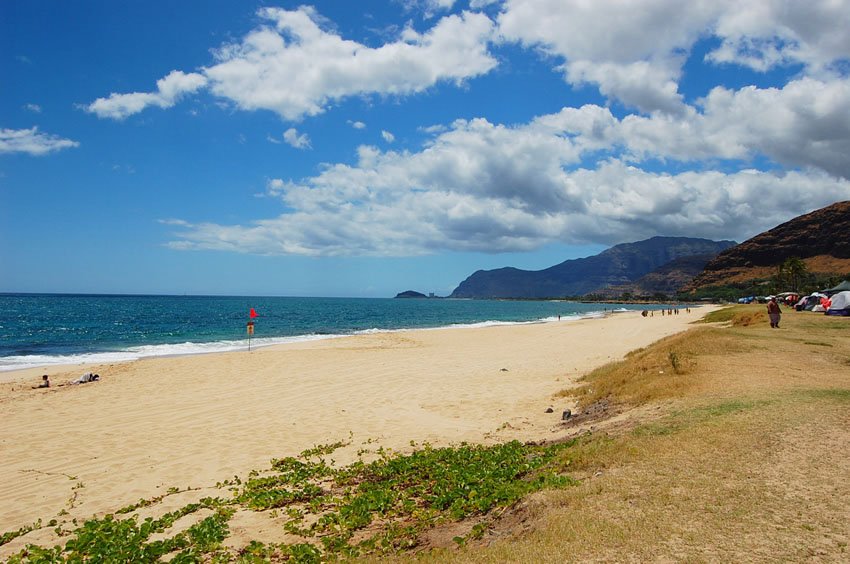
(671, 265)
(820, 238)
(628, 265)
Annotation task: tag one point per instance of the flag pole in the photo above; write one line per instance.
(250, 327)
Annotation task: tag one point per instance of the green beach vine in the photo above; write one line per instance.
(381, 506)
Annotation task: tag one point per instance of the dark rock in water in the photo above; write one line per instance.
(410, 294)
(566, 415)
(550, 410)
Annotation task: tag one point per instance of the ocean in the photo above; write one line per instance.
(49, 329)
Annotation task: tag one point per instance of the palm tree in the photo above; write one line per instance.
(796, 271)
(781, 276)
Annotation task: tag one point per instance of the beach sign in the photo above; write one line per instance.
(250, 328)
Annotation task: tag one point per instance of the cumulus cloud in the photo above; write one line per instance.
(170, 90)
(762, 35)
(487, 187)
(804, 124)
(428, 7)
(34, 108)
(634, 51)
(295, 68)
(293, 139)
(31, 142)
(275, 185)
(588, 174)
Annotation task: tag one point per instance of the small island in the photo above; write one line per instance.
(410, 294)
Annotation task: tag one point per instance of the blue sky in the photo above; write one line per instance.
(365, 148)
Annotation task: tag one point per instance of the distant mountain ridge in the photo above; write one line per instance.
(620, 265)
(669, 278)
(820, 238)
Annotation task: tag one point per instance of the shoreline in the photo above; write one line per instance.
(163, 422)
(172, 350)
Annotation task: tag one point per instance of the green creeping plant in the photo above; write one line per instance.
(11, 535)
(379, 507)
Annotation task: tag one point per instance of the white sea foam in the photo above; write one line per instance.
(180, 349)
(146, 351)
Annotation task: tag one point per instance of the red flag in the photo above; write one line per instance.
(252, 314)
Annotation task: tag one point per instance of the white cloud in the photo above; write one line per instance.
(32, 142)
(491, 188)
(573, 176)
(634, 51)
(275, 185)
(428, 6)
(128, 169)
(804, 124)
(170, 90)
(175, 222)
(34, 108)
(762, 35)
(647, 86)
(292, 138)
(295, 68)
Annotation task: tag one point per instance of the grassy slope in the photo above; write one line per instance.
(744, 455)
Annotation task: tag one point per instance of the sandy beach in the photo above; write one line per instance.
(191, 421)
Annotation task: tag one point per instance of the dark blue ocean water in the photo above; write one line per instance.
(39, 330)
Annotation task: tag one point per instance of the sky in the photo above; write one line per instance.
(360, 149)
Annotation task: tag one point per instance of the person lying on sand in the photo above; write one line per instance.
(85, 378)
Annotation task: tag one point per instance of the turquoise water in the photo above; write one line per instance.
(37, 330)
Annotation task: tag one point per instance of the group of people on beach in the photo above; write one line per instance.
(84, 379)
(668, 311)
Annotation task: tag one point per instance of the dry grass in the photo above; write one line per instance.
(821, 264)
(663, 371)
(737, 485)
(748, 462)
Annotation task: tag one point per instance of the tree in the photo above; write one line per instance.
(795, 270)
(781, 276)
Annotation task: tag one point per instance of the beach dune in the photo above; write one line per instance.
(192, 421)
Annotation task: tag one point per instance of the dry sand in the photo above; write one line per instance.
(193, 421)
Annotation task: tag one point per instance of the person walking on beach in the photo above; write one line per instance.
(774, 313)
